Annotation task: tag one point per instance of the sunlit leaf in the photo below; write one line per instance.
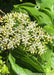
(17, 68)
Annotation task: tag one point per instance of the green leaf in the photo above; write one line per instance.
(17, 68)
(27, 4)
(41, 17)
(46, 58)
(49, 29)
(52, 61)
(26, 60)
(24, 4)
(45, 3)
(44, 14)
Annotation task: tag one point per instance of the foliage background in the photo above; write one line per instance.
(7, 6)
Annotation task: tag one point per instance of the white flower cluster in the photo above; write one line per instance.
(17, 29)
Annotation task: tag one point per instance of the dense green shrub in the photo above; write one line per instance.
(27, 47)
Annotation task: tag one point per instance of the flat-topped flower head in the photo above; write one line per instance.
(17, 29)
